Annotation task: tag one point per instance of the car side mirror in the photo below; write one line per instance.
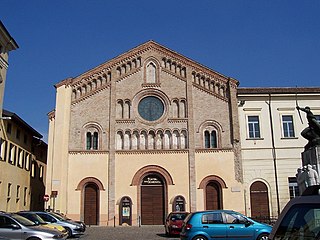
(248, 223)
(15, 226)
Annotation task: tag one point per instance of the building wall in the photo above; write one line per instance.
(23, 168)
(105, 101)
(258, 159)
(7, 44)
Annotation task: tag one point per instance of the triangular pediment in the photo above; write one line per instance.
(132, 61)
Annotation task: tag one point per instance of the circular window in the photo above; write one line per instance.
(151, 108)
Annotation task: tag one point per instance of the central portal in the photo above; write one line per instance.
(152, 200)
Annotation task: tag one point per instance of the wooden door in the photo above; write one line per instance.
(259, 200)
(152, 205)
(213, 199)
(91, 204)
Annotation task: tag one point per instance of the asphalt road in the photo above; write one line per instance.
(125, 233)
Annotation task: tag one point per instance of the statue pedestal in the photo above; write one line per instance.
(311, 156)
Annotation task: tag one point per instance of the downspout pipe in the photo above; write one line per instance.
(274, 155)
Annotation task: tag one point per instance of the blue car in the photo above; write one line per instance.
(222, 224)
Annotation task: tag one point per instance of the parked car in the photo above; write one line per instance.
(16, 227)
(174, 221)
(300, 218)
(39, 221)
(83, 225)
(73, 228)
(222, 224)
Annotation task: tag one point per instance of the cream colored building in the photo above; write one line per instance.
(7, 44)
(141, 135)
(271, 144)
(23, 165)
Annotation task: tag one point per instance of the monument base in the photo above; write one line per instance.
(312, 157)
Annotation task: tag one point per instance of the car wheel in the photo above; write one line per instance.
(263, 236)
(199, 238)
(33, 238)
(69, 231)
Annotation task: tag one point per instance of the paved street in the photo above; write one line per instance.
(125, 233)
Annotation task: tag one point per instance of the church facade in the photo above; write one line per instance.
(146, 133)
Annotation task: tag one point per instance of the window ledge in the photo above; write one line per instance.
(288, 138)
(255, 139)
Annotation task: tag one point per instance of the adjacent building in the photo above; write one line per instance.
(22, 163)
(7, 44)
(271, 144)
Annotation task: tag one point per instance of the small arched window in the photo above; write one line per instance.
(210, 139)
(92, 140)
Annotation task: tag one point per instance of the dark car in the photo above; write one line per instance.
(300, 219)
(222, 224)
(174, 223)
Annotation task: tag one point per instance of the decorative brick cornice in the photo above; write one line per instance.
(90, 94)
(87, 152)
(217, 150)
(209, 92)
(126, 121)
(177, 120)
(147, 152)
(65, 82)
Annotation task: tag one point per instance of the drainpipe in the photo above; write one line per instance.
(274, 154)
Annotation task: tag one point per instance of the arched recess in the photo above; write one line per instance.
(90, 188)
(151, 71)
(125, 211)
(259, 199)
(178, 204)
(213, 195)
(94, 131)
(90, 179)
(152, 193)
(211, 127)
(151, 169)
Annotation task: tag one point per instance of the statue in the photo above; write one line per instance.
(312, 132)
(301, 177)
(312, 176)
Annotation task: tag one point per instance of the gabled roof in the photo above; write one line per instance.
(138, 50)
(8, 37)
(14, 117)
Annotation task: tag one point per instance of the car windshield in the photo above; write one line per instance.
(301, 222)
(178, 216)
(22, 220)
(33, 217)
(58, 216)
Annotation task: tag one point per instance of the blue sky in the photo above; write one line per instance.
(261, 43)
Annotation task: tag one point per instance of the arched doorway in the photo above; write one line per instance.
(152, 200)
(91, 204)
(213, 196)
(259, 199)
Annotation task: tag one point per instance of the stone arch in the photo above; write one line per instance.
(151, 169)
(87, 180)
(215, 178)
